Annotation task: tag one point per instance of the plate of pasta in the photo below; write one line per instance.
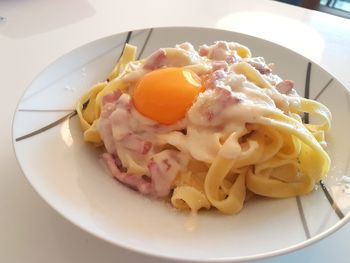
(193, 144)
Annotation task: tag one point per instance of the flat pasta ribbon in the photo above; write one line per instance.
(89, 105)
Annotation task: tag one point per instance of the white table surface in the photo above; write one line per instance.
(38, 31)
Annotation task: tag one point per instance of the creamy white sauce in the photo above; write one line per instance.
(213, 116)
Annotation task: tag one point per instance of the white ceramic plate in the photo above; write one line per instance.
(67, 172)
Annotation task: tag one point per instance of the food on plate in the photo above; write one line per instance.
(205, 128)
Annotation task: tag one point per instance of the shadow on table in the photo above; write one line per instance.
(40, 16)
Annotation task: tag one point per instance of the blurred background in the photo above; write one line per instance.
(335, 7)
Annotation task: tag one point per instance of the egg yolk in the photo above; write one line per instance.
(165, 95)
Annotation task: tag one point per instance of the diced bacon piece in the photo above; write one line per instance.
(222, 45)
(285, 86)
(155, 60)
(213, 81)
(163, 169)
(119, 163)
(111, 97)
(209, 83)
(262, 68)
(219, 74)
(230, 59)
(107, 110)
(136, 182)
(115, 111)
(109, 103)
(137, 144)
(224, 98)
(219, 51)
(105, 126)
(219, 64)
(171, 57)
(210, 114)
(233, 58)
(163, 172)
(203, 50)
(219, 54)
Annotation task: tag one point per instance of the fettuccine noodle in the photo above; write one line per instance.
(236, 131)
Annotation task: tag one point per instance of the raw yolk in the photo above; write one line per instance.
(165, 95)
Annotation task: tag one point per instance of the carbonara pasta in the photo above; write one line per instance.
(205, 128)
